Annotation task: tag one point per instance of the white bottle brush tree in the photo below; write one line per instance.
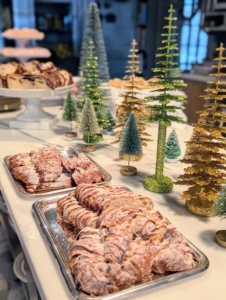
(88, 124)
(70, 112)
(130, 143)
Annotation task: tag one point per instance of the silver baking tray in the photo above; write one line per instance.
(59, 243)
(64, 152)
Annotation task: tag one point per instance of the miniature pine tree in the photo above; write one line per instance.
(219, 207)
(173, 150)
(88, 121)
(111, 121)
(206, 172)
(131, 102)
(90, 86)
(158, 182)
(130, 142)
(70, 109)
(93, 30)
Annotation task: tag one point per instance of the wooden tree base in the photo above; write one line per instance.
(128, 171)
(88, 148)
(220, 238)
(132, 157)
(71, 134)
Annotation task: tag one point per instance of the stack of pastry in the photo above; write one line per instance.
(33, 75)
(122, 240)
(45, 169)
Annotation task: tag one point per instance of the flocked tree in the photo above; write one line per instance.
(88, 122)
(131, 102)
(111, 122)
(93, 31)
(219, 207)
(70, 109)
(90, 86)
(130, 142)
(169, 82)
(207, 164)
(173, 150)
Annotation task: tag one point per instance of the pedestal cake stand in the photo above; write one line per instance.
(34, 117)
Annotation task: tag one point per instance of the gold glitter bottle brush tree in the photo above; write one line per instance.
(132, 103)
(207, 170)
(158, 182)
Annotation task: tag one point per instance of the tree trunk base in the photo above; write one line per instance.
(128, 171)
(220, 238)
(132, 157)
(71, 134)
(88, 148)
(200, 208)
(158, 186)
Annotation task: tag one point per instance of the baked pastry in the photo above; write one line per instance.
(126, 245)
(54, 171)
(33, 75)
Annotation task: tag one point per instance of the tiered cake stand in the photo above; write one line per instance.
(34, 117)
(22, 36)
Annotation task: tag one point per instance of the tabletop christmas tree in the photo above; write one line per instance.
(158, 182)
(219, 208)
(130, 144)
(111, 121)
(90, 86)
(132, 103)
(93, 31)
(173, 150)
(88, 125)
(70, 113)
(206, 172)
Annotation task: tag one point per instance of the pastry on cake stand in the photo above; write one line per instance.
(34, 117)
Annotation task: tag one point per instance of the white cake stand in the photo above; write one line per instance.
(34, 117)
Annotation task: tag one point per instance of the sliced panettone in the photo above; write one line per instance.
(67, 76)
(9, 68)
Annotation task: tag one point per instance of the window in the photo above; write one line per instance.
(193, 43)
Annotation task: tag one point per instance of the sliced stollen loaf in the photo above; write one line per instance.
(21, 82)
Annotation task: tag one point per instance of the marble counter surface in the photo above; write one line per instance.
(44, 267)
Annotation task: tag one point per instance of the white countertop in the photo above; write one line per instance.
(200, 231)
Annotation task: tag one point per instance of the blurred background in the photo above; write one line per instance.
(201, 24)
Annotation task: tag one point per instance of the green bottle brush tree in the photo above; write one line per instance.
(130, 144)
(70, 113)
(173, 150)
(158, 182)
(90, 86)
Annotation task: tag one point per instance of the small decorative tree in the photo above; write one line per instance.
(88, 124)
(93, 31)
(207, 170)
(70, 113)
(130, 144)
(158, 182)
(132, 103)
(90, 86)
(111, 121)
(219, 207)
(173, 150)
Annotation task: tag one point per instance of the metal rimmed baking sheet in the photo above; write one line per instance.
(64, 152)
(45, 214)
